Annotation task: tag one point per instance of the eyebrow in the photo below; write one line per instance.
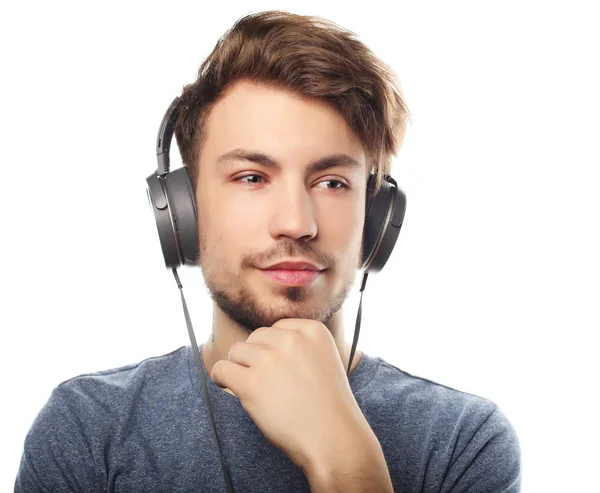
(263, 159)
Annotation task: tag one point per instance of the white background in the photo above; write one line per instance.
(493, 286)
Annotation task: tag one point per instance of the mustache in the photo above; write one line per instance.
(290, 248)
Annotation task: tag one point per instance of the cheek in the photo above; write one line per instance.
(229, 235)
(233, 223)
(344, 231)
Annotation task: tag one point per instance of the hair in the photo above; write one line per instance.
(310, 56)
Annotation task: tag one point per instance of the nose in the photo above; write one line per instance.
(292, 213)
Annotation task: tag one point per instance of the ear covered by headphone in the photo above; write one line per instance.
(172, 198)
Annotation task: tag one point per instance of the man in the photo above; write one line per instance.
(279, 133)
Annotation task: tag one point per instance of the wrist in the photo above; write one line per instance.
(356, 458)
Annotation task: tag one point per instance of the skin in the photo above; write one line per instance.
(251, 215)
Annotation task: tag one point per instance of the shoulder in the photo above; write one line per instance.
(104, 392)
(430, 398)
(478, 442)
(82, 414)
(150, 375)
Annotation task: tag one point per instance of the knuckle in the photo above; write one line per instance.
(234, 348)
(256, 333)
(292, 339)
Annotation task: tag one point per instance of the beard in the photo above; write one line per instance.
(240, 304)
(247, 312)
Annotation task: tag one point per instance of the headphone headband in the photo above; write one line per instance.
(165, 136)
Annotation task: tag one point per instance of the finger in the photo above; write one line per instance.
(274, 337)
(312, 329)
(247, 354)
(229, 375)
(281, 341)
(292, 323)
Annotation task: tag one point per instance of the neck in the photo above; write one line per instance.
(226, 332)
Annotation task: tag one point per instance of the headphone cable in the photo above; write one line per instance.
(200, 365)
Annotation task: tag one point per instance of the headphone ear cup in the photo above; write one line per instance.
(383, 219)
(164, 223)
(369, 197)
(182, 203)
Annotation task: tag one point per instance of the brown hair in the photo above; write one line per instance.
(310, 56)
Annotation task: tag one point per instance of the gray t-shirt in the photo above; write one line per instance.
(145, 428)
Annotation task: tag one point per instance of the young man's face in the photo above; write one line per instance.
(252, 215)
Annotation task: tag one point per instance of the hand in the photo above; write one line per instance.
(291, 380)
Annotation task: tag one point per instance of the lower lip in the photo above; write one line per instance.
(293, 277)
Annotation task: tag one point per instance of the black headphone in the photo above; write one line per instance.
(171, 196)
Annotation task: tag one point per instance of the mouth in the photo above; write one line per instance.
(292, 277)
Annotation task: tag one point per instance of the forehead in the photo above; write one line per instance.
(279, 123)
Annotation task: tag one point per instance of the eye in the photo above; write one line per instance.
(249, 176)
(341, 184)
